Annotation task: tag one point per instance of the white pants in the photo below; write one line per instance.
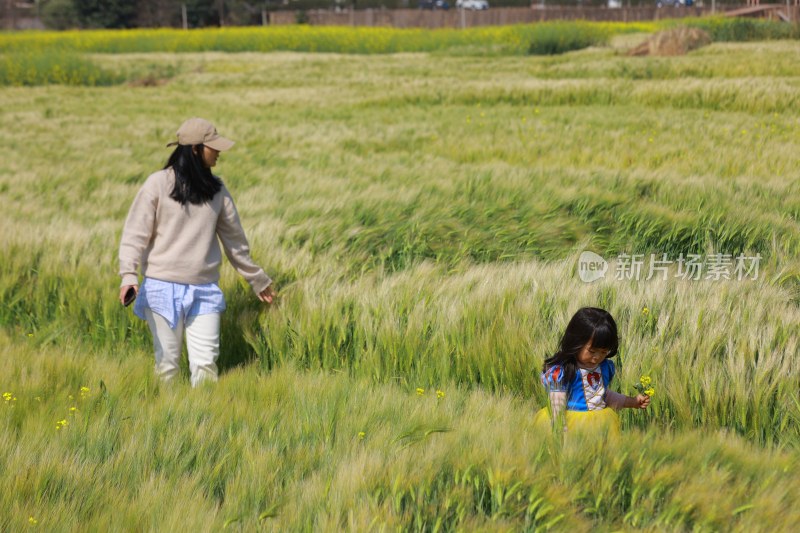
(202, 343)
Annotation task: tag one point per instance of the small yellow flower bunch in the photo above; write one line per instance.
(645, 387)
(420, 391)
(361, 435)
(61, 423)
(84, 392)
(439, 394)
(8, 397)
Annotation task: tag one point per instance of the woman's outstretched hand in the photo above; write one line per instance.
(267, 295)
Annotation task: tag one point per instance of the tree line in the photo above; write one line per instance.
(64, 14)
(61, 14)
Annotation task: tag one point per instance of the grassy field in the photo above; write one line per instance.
(494, 40)
(422, 215)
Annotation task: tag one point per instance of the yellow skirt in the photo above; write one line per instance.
(602, 421)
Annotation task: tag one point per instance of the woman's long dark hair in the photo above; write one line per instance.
(194, 182)
(588, 324)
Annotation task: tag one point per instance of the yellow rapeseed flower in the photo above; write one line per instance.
(645, 311)
(73, 409)
(420, 391)
(32, 521)
(361, 435)
(7, 396)
(440, 394)
(650, 391)
(645, 381)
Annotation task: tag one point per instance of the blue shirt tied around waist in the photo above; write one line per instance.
(178, 300)
(586, 391)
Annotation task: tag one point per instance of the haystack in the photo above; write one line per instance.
(675, 42)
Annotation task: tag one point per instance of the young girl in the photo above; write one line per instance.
(172, 233)
(577, 377)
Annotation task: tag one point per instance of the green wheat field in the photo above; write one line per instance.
(422, 214)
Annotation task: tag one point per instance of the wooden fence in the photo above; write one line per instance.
(455, 18)
(774, 12)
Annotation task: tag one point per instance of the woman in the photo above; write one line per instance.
(173, 232)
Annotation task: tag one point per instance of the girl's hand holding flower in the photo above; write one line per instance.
(642, 401)
(645, 391)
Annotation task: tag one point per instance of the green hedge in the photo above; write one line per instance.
(736, 29)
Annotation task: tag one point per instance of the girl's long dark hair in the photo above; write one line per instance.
(194, 182)
(588, 324)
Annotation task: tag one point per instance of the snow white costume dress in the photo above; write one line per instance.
(586, 405)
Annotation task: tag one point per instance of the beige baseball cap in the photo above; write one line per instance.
(200, 131)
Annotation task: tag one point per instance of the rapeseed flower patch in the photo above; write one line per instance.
(644, 386)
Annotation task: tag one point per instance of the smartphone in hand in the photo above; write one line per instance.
(130, 296)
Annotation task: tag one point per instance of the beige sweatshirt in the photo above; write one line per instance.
(178, 243)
